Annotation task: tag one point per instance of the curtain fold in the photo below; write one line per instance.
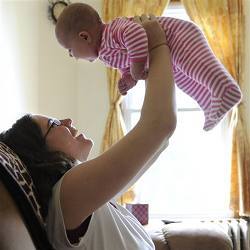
(115, 128)
(222, 22)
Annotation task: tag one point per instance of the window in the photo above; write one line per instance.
(191, 177)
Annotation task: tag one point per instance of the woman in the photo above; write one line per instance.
(76, 201)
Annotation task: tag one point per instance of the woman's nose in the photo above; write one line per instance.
(67, 122)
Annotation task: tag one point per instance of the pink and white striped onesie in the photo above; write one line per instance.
(196, 69)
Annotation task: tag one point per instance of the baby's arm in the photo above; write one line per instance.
(126, 82)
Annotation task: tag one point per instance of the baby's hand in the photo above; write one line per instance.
(126, 83)
(144, 74)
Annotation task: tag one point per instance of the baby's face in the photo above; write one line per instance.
(81, 48)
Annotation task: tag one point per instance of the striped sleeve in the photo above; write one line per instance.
(135, 40)
(124, 71)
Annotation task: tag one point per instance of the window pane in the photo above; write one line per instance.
(185, 101)
(134, 97)
(191, 175)
(177, 11)
(135, 117)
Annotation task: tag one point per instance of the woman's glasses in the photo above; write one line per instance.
(52, 123)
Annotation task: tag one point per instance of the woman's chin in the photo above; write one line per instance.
(86, 151)
(83, 147)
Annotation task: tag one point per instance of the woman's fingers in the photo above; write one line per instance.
(152, 17)
(154, 31)
(137, 19)
(144, 18)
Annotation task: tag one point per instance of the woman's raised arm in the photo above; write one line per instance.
(93, 183)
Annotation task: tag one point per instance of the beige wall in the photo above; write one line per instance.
(92, 100)
(19, 60)
(70, 88)
(37, 75)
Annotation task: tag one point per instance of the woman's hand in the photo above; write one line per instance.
(155, 33)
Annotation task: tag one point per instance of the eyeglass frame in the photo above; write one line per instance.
(52, 123)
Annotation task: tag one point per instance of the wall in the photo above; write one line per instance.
(19, 60)
(38, 76)
(57, 72)
(70, 88)
(93, 102)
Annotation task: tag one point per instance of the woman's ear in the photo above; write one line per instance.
(85, 35)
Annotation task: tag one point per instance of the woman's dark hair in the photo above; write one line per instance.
(46, 167)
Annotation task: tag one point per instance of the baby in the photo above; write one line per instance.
(123, 44)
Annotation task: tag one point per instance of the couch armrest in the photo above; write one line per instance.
(13, 232)
(196, 236)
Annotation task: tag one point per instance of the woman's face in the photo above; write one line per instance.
(64, 138)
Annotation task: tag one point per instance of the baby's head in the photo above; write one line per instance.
(78, 30)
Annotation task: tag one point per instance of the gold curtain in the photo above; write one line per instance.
(115, 128)
(222, 22)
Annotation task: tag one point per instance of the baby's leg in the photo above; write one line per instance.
(192, 55)
(198, 92)
(192, 88)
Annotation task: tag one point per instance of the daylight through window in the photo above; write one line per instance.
(191, 177)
